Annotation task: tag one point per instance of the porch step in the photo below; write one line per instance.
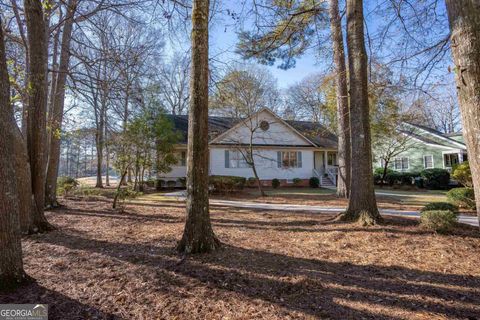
(326, 182)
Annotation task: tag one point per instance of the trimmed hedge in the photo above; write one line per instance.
(182, 182)
(442, 206)
(436, 178)
(441, 221)
(395, 177)
(314, 182)
(403, 178)
(227, 184)
(297, 181)
(171, 183)
(150, 183)
(463, 197)
(275, 183)
(159, 184)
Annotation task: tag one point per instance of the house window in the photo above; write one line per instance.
(450, 159)
(289, 159)
(401, 163)
(182, 159)
(235, 159)
(428, 162)
(332, 159)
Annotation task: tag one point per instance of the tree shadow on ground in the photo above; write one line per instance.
(126, 215)
(60, 306)
(314, 287)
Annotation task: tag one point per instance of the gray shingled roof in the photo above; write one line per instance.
(316, 133)
(422, 138)
(435, 132)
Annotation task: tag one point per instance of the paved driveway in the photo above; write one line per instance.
(180, 195)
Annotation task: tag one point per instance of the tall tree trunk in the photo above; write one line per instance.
(343, 111)
(464, 17)
(198, 235)
(24, 94)
(37, 108)
(58, 104)
(11, 264)
(362, 204)
(26, 201)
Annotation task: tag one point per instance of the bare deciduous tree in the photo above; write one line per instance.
(343, 110)
(37, 108)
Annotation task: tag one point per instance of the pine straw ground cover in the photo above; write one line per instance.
(105, 264)
(412, 200)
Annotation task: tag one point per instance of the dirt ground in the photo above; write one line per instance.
(106, 264)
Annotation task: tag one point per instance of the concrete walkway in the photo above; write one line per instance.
(180, 195)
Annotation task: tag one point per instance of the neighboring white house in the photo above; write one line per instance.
(282, 149)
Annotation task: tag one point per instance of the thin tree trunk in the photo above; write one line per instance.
(343, 111)
(115, 199)
(464, 17)
(37, 107)
(11, 264)
(385, 171)
(107, 164)
(198, 235)
(58, 104)
(107, 154)
(99, 143)
(254, 168)
(362, 204)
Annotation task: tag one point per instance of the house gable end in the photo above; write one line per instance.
(263, 128)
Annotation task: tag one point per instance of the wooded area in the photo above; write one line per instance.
(90, 89)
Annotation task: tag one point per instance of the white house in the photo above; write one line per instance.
(282, 149)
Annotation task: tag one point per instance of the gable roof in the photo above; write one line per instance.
(446, 140)
(316, 134)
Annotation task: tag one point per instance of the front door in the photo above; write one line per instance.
(318, 163)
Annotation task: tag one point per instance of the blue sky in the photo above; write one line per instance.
(223, 40)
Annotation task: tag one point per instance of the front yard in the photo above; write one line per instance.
(106, 264)
(386, 198)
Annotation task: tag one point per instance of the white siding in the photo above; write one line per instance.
(277, 134)
(177, 172)
(266, 165)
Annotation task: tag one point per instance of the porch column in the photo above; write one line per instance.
(325, 160)
(460, 157)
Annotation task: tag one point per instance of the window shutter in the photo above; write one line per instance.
(227, 159)
(279, 159)
(299, 159)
